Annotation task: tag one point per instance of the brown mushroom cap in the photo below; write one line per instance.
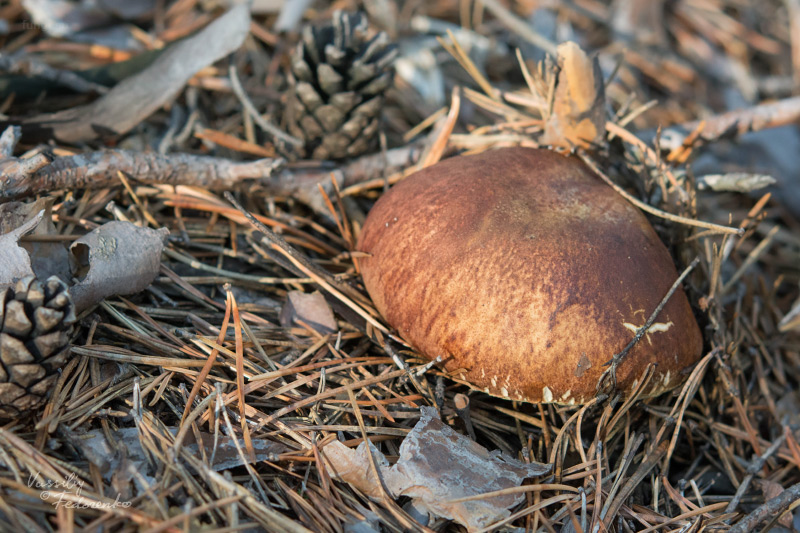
(526, 273)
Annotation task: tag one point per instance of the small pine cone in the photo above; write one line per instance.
(35, 324)
(337, 82)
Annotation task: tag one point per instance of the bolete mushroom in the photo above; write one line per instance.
(526, 274)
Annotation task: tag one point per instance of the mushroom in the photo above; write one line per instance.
(526, 274)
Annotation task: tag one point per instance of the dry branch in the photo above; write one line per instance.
(31, 67)
(100, 169)
(770, 509)
(735, 123)
(93, 170)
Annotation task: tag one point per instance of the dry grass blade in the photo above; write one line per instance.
(458, 53)
(751, 258)
(519, 26)
(444, 130)
(237, 328)
(201, 378)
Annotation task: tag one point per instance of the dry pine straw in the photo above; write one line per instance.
(159, 361)
(696, 460)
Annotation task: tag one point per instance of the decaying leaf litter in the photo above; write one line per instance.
(209, 352)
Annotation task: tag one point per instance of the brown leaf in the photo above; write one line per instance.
(579, 116)
(312, 309)
(353, 466)
(438, 465)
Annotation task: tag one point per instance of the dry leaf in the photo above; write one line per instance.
(116, 258)
(15, 263)
(113, 464)
(438, 465)
(32, 258)
(47, 258)
(312, 309)
(137, 97)
(353, 466)
(579, 115)
(735, 182)
(15, 214)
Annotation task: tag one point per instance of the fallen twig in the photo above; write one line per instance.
(265, 125)
(303, 183)
(93, 170)
(36, 175)
(28, 66)
(771, 508)
(752, 470)
(734, 123)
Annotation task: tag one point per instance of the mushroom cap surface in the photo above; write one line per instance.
(526, 274)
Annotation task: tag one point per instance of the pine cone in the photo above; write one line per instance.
(337, 83)
(35, 325)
